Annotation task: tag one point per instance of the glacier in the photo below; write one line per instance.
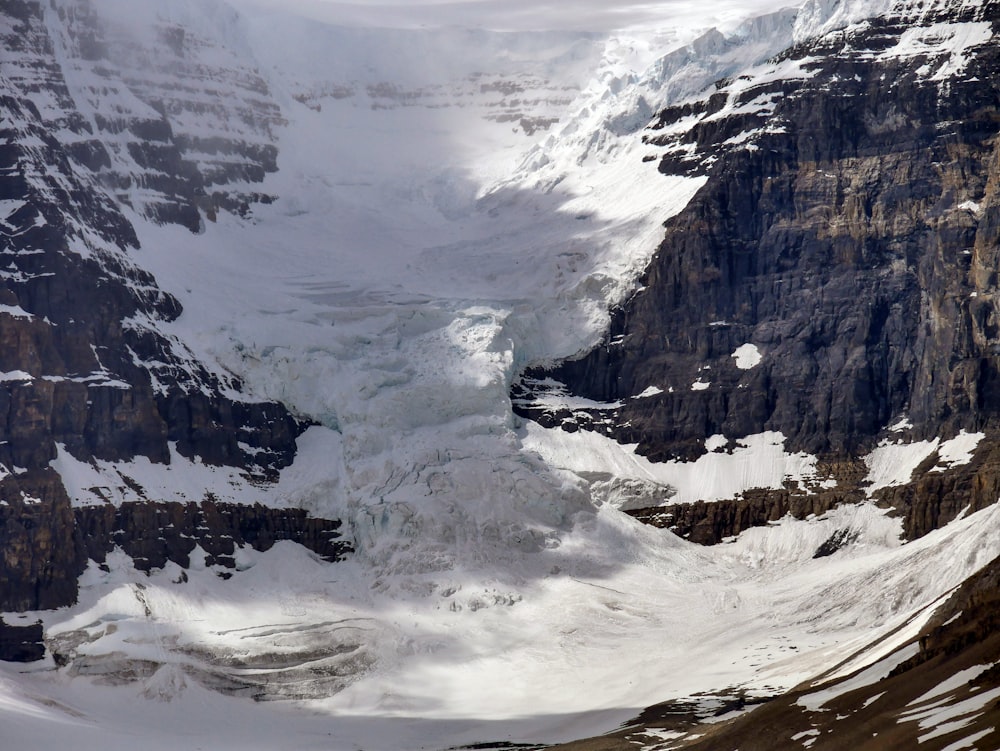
(420, 251)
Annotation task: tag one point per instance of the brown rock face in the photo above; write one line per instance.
(155, 533)
(853, 237)
(41, 561)
(932, 499)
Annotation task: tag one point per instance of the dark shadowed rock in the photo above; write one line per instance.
(21, 643)
(84, 364)
(46, 543)
(849, 230)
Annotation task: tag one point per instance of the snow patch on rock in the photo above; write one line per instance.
(958, 450)
(747, 356)
(757, 461)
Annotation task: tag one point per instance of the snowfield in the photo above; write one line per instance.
(419, 254)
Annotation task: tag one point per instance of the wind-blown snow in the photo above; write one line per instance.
(942, 720)
(945, 43)
(648, 392)
(958, 450)
(15, 311)
(949, 685)
(16, 375)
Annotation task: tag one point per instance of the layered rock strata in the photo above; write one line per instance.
(93, 124)
(47, 543)
(836, 274)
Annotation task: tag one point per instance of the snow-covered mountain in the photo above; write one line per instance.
(440, 385)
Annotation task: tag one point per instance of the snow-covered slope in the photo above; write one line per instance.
(390, 224)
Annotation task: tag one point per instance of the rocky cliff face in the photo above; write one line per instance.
(835, 277)
(92, 127)
(47, 543)
(835, 282)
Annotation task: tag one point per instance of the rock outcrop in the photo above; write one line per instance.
(21, 643)
(84, 363)
(46, 542)
(88, 129)
(837, 272)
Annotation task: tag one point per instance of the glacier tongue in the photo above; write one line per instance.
(394, 287)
